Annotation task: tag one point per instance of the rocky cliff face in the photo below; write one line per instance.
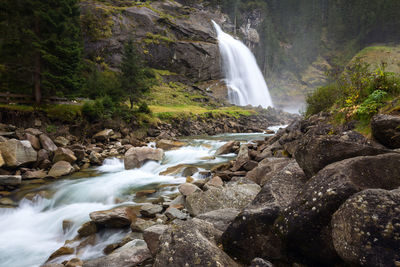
(172, 36)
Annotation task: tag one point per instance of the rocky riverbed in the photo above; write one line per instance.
(313, 194)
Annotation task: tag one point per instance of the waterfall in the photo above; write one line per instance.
(244, 79)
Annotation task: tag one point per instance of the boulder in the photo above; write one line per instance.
(131, 254)
(227, 148)
(386, 130)
(366, 228)
(152, 237)
(2, 162)
(315, 152)
(95, 158)
(74, 262)
(140, 225)
(61, 252)
(169, 144)
(47, 143)
(135, 157)
(265, 168)
(60, 168)
(305, 223)
(242, 158)
(174, 213)
(103, 135)
(150, 210)
(87, 229)
(191, 243)
(235, 196)
(187, 189)
(189, 171)
(220, 219)
(61, 141)
(17, 153)
(113, 218)
(10, 180)
(215, 181)
(64, 154)
(33, 140)
(33, 131)
(258, 262)
(251, 234)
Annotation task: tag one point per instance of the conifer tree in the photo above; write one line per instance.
(134, 77)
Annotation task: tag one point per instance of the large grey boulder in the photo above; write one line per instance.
(60, 168)
(131, 254)
(234, 195)
(191, 243)
(17, 153)
(266, 168)
(251, 234)
(136, 156)
(242, 158)
(366, 228)
(166, 144)
(220, 219)
(305, 224)
(314, 152)
(386, 129)
(152, 237)
(227, 148)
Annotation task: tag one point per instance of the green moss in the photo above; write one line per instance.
(66, 113)
(157, 39)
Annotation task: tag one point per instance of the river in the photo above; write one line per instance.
(33, 230)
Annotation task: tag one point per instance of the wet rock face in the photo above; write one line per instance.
(114, 218)
(386, 129)
(185, 44)
(366, 228)
(305, 223)
(191, 243)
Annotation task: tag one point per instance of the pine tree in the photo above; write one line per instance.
(48, 42)
(134, 77)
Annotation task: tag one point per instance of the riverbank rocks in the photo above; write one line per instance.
(103, 135)
(234, 195)
(305, 223)
(366, 228)
(131, 254)
(60, 168)
(17, 153)
(230, 147)
(113, 218)
(87, 229)
(386, 130)
(33, 140)
(316, 152)
(191, 243)
(38, 174)
(265, 168)
(64, 154)
(135, 157)
(220, 219)
(251, 234)
(47, 143)
(169, 144)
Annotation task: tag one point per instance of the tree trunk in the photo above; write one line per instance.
(37, 69)
(131, 101)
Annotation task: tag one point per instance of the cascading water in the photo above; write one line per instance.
(244, 79)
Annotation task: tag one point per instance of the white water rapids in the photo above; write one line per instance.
(244, 79)
(33, 230)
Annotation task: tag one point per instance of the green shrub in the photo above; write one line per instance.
(371, 105)
(93, 110)
(144, 108)
(321, 99)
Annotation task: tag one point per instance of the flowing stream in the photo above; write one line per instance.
(33, 230)
(244, 79)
